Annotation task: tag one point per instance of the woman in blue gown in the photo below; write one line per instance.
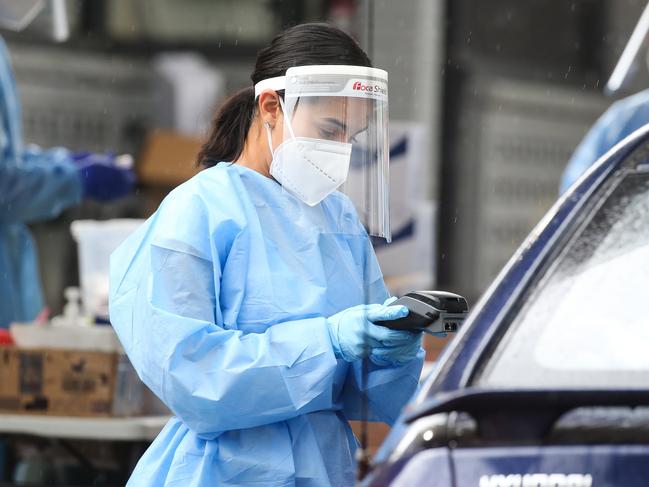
(250, 313)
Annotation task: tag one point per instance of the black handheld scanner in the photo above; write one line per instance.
(430, 311)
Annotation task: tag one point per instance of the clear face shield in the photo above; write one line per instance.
(335, 138)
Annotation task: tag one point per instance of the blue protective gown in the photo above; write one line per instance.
(621, 119)
(34, 185)
(220, 302)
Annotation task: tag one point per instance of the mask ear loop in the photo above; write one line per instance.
(269, 138)
(286, 121)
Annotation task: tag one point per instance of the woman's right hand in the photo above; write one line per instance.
(355, 336)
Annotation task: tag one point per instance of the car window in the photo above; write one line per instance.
(587, 322)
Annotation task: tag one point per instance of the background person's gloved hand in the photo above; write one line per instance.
(354, 335)
(104, 176)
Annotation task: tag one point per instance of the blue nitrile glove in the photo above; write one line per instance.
(102, 177)
(354, 335)
(398, 355)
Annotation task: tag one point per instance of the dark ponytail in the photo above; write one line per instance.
(229, 129)
(302, 45)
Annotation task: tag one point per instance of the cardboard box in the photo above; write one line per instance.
(66, 383)
(167, 159)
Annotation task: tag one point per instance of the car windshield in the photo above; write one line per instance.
(586, 324)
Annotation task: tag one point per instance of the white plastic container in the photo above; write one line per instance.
(100, 338)
(96, 241)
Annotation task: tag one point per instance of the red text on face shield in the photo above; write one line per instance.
(369, 88)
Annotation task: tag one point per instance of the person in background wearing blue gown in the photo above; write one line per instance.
(622, 118)
(249, 312)
(37, 185)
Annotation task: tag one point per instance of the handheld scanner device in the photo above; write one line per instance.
(430, 311)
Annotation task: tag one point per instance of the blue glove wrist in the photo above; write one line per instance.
(354, 335)
(101, 178)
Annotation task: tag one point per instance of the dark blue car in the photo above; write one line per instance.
(547, 383)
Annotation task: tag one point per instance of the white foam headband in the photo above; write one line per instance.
(275, 84)
(279, 83)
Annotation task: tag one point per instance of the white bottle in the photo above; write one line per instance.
(72, 309)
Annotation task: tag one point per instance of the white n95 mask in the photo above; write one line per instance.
(309, 168)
